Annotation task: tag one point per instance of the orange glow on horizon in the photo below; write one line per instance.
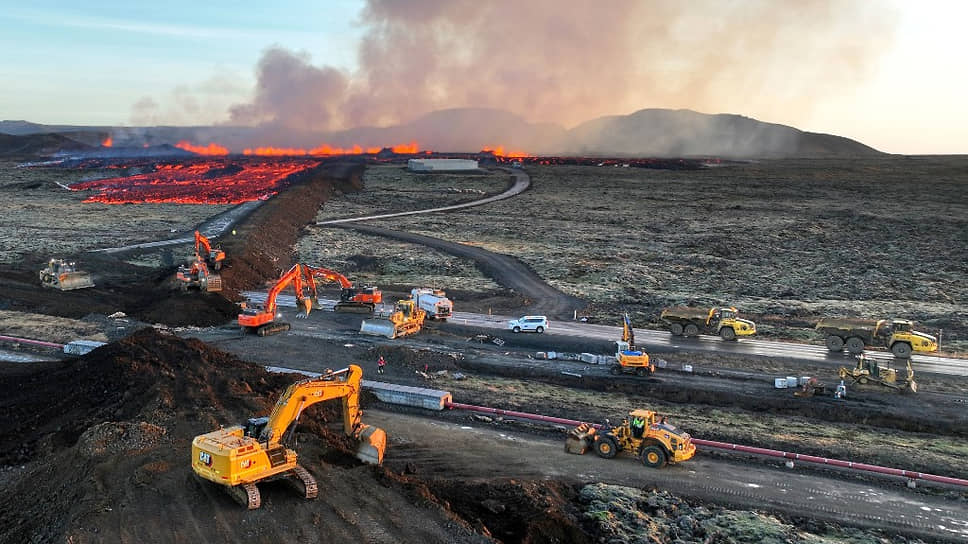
(327, 150)
(211, 149)
(410, 148)
(499, 152)
(108, 142)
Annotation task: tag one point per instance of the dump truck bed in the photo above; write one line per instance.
(847, 323)
(685, 313)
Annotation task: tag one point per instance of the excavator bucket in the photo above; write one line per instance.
(379, 327)
(212, 283)
(74, 280)
(373, 444)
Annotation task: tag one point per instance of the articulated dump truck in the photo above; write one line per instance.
(686, 321)
(897, 335)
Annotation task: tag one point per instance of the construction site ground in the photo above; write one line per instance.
(97, 448)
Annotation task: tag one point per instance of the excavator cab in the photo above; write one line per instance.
(255, 425)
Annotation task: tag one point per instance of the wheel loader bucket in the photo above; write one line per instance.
(373, 444)
(379, 327)
(580, 439)
(75, 280)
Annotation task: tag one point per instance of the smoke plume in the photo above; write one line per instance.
(564, 63)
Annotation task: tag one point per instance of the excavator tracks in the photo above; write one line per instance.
(304, 482)
(247, 495)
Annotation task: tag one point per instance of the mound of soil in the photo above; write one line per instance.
(261, 250)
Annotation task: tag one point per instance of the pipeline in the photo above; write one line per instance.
(29, 341)
(850, 465)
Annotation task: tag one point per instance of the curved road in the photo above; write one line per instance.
(508, 271)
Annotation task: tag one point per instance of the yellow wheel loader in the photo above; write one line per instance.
(241, 456)
(406, 319)
(642, 434)
(63, 275)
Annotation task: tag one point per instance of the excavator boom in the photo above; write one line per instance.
(352, 299)
(262, 320)
(213, 257)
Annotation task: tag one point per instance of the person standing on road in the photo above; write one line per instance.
(380, 365)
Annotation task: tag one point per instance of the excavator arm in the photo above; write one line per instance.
(213, 257)
(343, 384)
(262, 318)
(326, 274)
(628, 334)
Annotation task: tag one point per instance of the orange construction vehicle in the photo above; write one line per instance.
(198, 276)
(351, 298)
(262, 320)
(213, 257)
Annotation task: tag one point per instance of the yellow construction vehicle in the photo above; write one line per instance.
(406, 319)
(898, 335)
(63, 275)
(869, 370)
(628, 359)
(642, 434)
(241, 456)
(686, 321)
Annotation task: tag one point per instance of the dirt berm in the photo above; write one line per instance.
(98, 450)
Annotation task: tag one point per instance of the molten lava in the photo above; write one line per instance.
(499, 152)
(405, 149)
(108, 142)
(198, 181)
(211, 149)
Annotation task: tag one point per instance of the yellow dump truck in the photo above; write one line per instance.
(855, 335)
(688, 321)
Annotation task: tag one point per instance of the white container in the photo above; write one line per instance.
(791, 381)
(780, 383)
(804, 380)
(541, 355)
(552, 354)
(81, 347)
(687, 368)
(589, 358)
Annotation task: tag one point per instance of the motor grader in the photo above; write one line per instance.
(241, 456)
(642, 434)
(406, 319)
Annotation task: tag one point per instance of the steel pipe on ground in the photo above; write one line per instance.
(29, 341)
(850, 465)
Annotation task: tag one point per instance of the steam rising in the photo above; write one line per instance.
(564, 63)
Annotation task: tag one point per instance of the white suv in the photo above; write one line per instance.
(536, 323)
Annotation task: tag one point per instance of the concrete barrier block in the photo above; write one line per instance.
(418, 397)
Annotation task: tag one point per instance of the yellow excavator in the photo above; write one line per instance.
(406, 319)
(628, 359)
(241, 456)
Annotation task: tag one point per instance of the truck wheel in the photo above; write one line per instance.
(901, 350)
(727, 333)
(539, 330)
(691, 330)
(675, 329)
(605, 447)
(615, 370)
(516, 329)
(855, 345)
(642, 371)
(654, 457)
(835, 343)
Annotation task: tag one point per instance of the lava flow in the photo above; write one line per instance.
(212, 149)
(213, 181)
(499, 152)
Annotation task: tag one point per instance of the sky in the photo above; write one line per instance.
(889, 73)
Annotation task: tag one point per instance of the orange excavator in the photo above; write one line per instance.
(262, 320)
(351, 299)
(213, 257)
